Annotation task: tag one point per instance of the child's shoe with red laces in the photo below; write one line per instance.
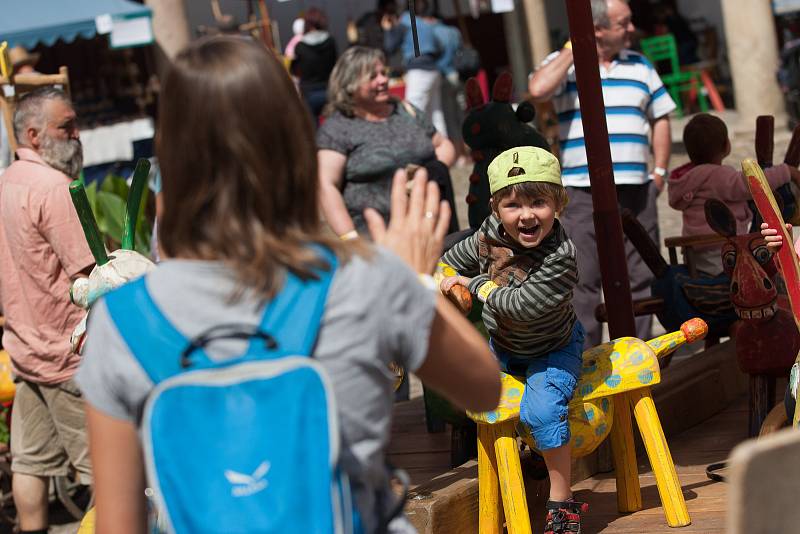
(564, 517)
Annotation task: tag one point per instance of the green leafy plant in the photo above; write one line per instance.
(108, 202)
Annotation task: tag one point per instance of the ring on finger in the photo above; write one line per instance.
(429, 215)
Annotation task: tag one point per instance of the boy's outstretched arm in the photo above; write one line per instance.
(463, 256)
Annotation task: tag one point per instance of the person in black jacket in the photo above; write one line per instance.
(315, 56)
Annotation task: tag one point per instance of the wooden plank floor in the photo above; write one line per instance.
(422, 455)
(426, 455)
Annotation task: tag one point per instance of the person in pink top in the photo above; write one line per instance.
(689, 186)
(42, 249)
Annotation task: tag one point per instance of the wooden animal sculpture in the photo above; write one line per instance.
(114, 269)
(616, 375)
(767, 340)
(490, 128)
(787, 259)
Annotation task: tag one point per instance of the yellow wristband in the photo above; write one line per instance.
(352, 234)
(486, 289)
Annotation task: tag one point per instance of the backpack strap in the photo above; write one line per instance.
(150, 336)
(291, 321)
(294, 316)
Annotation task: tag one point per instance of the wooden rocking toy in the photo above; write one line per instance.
(617, 374)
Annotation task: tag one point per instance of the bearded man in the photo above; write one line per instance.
(42, 249)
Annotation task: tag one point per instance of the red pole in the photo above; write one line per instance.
(607, 222)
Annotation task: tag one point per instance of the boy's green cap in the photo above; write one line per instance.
(537, 164)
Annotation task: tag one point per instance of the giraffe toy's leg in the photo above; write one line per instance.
(669, 487)
(490, 511)
(512, 487)
(629, 494)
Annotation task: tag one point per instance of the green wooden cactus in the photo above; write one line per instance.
(132, 209)
(118, 225)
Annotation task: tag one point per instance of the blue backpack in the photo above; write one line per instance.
(249, 444)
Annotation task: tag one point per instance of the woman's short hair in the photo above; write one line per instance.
(239, 165)
(352, 68)
(705, 138)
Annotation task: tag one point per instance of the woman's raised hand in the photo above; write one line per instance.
(418, 221)
(773, 238)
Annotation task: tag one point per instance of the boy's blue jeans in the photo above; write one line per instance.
(549, 384)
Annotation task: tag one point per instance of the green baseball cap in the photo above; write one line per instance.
(534, 164)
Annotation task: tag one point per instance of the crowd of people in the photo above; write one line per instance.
(331, 180)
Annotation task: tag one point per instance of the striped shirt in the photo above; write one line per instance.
(530, 313)
(634, 95)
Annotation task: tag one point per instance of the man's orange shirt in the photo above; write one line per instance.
(42, 247)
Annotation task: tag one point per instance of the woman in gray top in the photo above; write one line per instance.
(239, 215)
(367, 136)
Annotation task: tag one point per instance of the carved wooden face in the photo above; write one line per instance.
(749, 264)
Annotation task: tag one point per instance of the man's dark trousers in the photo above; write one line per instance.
(578, 221)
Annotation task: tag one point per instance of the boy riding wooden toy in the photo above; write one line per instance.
(521, 264)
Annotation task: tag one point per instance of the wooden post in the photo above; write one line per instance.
(607, 222)
(5, 107)
(765, 140)
(753, 57)
(608, 229)
(538, 30)
(266, 24)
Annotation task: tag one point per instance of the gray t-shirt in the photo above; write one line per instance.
(374, 151)
(376, 312)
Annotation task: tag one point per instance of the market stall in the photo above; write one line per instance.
(99, 48)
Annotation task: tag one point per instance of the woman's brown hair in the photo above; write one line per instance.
(239, 165)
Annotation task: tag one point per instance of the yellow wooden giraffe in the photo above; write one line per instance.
(617, 374)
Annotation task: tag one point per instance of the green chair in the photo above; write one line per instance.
(663, 48)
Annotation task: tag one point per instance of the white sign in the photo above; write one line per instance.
(131, 32)
(103, 24)
(502, 6)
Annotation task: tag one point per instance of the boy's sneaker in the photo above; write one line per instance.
(564, 517)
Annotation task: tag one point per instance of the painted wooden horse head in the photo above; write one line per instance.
(748, 262)
(490, 128)
(766, 340)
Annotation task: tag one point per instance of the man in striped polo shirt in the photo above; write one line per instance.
(637, 114)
